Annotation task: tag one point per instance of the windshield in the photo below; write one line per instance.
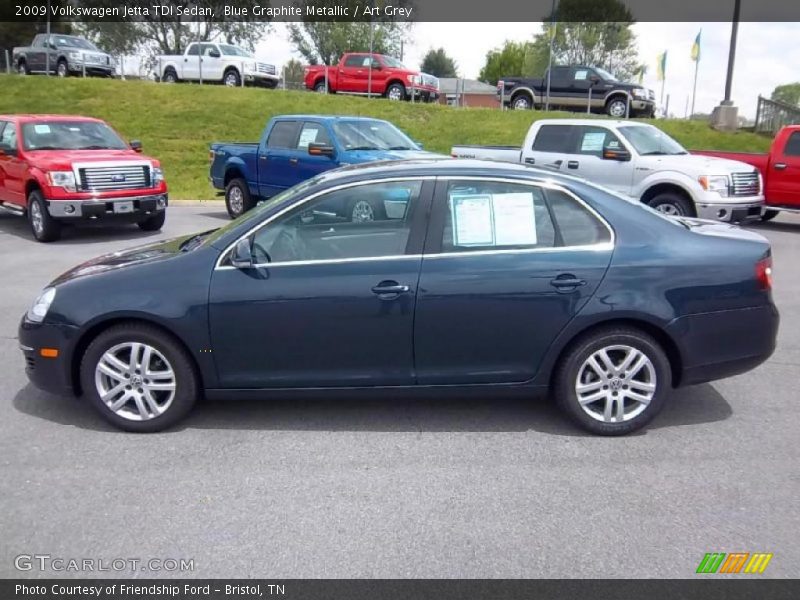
(651, 141)
(73, 42)
(229, 50)
(70, 135)
(371, 135)
(605, 74)
(392, 62)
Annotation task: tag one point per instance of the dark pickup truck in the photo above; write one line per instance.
(69, 55)
(579, 88)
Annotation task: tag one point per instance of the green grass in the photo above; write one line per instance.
(176, 123)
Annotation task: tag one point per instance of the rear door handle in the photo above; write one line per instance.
(567, 281)
(780, 166)
(573, 164)
(263, 157)
(530, 161)
(293, 161)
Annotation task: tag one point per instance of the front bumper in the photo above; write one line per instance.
(258, 78)
(426, 94)
(644, 107)
(731, 211)
(52, 375)
(77, 67)
(101, 208)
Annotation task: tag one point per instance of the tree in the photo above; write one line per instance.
(436, 62)
(507, 61)
(293, 74)
(789, 93)
(325, 41)
(594, 33)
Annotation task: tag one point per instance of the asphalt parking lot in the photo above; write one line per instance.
(409, 488)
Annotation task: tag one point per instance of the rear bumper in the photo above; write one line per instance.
(133, 207)
(731, 212)
(52, 375)
(725, 343)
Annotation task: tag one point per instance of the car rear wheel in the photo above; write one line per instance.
(154, 223)
(170, 76)
(320, 88)
(237, 198)
(139, 378)
(521, 102)
(396, 92)
(613, 381)
(44, 227)
(672, 204)
(769, 215)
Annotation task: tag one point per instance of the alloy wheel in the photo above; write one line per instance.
(37, 220)
(236, 200)
(362, 212)
(135, 381)
(231, 80)
(616, 384)
(395, 93)
(521, 103)
(669, 209)
(61, 69)
(617, 109)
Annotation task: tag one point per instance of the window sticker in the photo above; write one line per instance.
(514, 219)
(593, 141)
(43, 129)
(307, 136)
(472, 220)
(581, 75)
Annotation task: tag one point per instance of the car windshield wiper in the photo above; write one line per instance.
(96, 148)
(47, 148)
(364, 148)
(400, 148)
(654, 153)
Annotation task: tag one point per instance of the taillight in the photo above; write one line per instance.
(764, 273)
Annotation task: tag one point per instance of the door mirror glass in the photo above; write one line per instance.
(136, 145)
(619, 154)
(316, 149)
(419, 144)
(242, 255)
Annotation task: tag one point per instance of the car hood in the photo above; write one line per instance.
(698, 165)
(148, 253)
(362, 156)
(63, 159)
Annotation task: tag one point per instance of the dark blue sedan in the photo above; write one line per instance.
(465, 276)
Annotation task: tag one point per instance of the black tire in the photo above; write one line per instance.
(186, 381)
(396, 91)
(769, 215)
(170, 76)
(44, 227)
(22, 67)
(62, 68)
(231, 78)
(617, 108)
(320, 87)
(570, 368)
(673, 204)
(237, 198)
(521, 101)
(154, 223)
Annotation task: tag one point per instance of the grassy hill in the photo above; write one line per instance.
(176, 123)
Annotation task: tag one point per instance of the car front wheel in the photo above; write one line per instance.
(672, 204)
(769, 215)
(44, 227)
(613, 381)
(139, 378)
(396, 92)
(154, 223)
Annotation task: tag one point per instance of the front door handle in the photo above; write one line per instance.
(780, 166)
(567, 280)
(530, 161)
(573, 164)
(389, 290)
(293, 161)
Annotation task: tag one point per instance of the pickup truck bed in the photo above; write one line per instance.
(501, 153)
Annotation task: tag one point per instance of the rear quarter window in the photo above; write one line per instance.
(577, 225)
(554, 138)
(793, 144)
(283, 135)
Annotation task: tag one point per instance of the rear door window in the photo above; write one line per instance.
(793, 144)
(576, 224)
(283, 135)
(354, 60)
(555, 138)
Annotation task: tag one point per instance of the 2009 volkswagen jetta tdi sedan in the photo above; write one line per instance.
(446, 275)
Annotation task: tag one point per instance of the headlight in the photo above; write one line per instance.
(62, 179)
(76, 56)
(714, 183)
(415, 79)
(156, 176)
(250, 67)
(41, 305)
(639, 93)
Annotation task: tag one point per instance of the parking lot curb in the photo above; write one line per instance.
(196, 202)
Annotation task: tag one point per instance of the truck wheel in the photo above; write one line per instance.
(613, 381)
(320, 88)
(22, 68)
(45, 228)
(139, 378)
(617, 107)
(672, 204)
(237, 197)
(154, 223)
(231, 78)
(522, 102)
(396, 91)
(170, 76)
(61, 68)
(769, 215)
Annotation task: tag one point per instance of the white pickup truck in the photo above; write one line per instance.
(640, 162)
(219, 63)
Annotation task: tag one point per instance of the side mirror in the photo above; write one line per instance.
(619, 154)
(594, 79)
(242, 255)
(420, 145)
(214, 54)
(315, 149)
(136, 145)
(376, 66)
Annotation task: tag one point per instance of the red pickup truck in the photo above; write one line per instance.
(780, 170)
(389, 77)
(59, 169)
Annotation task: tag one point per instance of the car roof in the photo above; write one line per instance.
(329, 117)
(616, 122)
(24, 118)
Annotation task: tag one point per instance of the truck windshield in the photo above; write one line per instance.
(651, 141)
(73, 42)
(605, 74)
(392, 62)
(372, 135)
(70, 135)
(229, 50)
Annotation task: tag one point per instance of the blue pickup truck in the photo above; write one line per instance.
(294, 148)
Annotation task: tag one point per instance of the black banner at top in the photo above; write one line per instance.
(391, 10)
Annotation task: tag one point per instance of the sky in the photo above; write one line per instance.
(765, 56)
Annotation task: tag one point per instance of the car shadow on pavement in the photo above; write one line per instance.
(78, 234)
(689, 406)
(775, 226)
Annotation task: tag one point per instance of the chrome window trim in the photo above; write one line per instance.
(547, 184)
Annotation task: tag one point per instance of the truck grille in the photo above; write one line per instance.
(745, 184)
(266, 68)
(104, 179)
(430, 80)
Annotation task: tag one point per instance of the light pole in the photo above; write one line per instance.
(550, 59)
(726, 115)
(47, 45)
